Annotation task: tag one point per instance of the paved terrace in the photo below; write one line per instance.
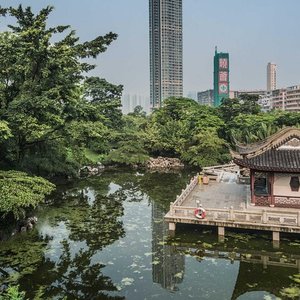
(227, 204)
(218, 195)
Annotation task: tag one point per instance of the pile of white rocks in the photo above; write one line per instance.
(91, 170)
(164, 163)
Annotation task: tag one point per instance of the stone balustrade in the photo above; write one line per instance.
(250, 217)
(184, 193)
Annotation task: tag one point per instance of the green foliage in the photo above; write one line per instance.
(43, 111)
(13, 293)
(5, 132)
(246, 123)
(19, 191)
(106, 98)
(93, 156)
(207, 149)
(246, 104)
(187, 130)
(128, 153)
(251, 128)
(129, 143)
(138, 112)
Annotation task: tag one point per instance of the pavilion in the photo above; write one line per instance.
(274, 166)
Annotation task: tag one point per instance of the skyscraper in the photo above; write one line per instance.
(271, 76)
(221, 77)
(165, 50)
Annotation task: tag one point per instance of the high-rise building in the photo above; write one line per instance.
(292, 98)
(192, 95)
(271, 76)
(130, 101)
(277, 99)
(238, 93)
(287, 99)
(221, 77)
(206, 97)
(166, 79)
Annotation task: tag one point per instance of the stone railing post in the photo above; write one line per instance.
(299, 218)
(247, 217)
(264, 217)
(215, 215)
(231, 213)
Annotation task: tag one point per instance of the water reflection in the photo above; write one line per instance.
(104, 238)
(252, 271)
(168, 265)
(69, 234)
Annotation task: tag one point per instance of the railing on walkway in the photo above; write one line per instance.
(257, 217)
(184, 193)
(221, 167)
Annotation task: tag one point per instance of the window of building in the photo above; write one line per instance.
(294, 183)
(261, 184)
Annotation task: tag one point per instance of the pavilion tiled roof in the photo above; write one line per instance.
(280, 152)
(273, 160)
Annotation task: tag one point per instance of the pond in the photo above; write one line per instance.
(104, 238)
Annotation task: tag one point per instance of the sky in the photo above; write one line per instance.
(254, 32)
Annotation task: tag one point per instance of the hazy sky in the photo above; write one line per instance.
(254, 32)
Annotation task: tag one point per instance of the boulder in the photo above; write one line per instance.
(164, 163)
(91, 170)
(27, 224)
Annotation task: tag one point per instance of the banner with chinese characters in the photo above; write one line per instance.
(223, 76)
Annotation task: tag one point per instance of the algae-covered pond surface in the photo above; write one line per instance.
(104, 238)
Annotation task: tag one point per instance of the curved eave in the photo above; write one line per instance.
(273, 141)
(234, 154)
(279, 169)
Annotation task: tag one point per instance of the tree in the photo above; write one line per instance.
(245, 104)
(40, 93)
(249, 104)
(187, 130)
(106, 97)
(207, 149)
(19, 191)
(128, 144)
(138, 112)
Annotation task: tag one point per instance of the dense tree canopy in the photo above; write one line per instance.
(47, 118)
(187, 130)
(41, 96)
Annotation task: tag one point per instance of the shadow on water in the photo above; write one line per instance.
(105, 238)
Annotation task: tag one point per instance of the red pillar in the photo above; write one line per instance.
(272, 198)
(252, 178)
